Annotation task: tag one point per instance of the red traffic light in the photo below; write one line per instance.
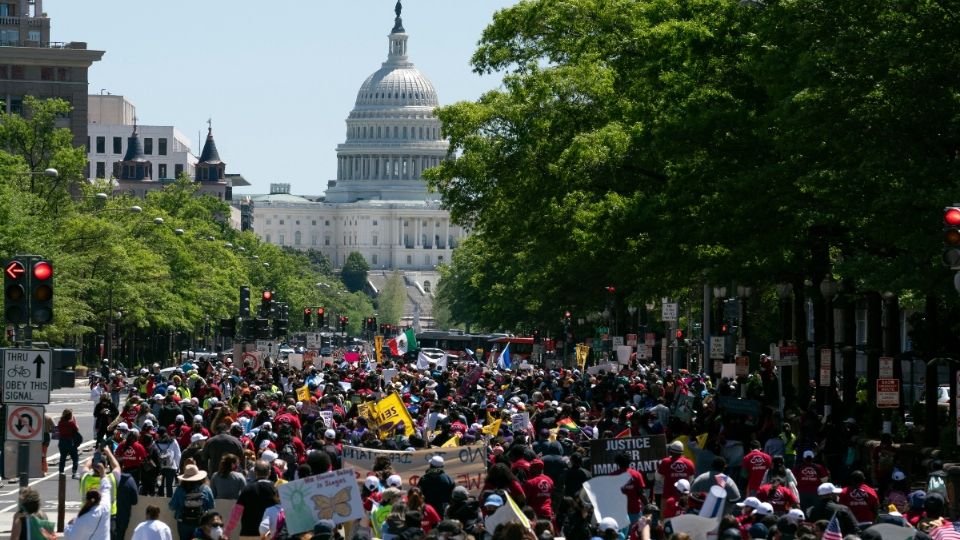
(42, 270)
(14, 269)
(267, 295)
(307, 311)
(319, 311)
(951, 215)
(679, 334)
(566, 314)
(724, 328)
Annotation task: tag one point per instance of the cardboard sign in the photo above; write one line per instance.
(644, 452)
(742, 366)
(333, 495)
(609, 367)
(623, 354)
(467, 465)
(295, 360)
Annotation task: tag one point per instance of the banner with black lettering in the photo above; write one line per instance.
(644, 452)
(467, 465)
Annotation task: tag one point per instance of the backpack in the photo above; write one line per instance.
(192, 507)
(289, 455)
(166, 457)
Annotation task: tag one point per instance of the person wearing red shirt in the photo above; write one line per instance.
(754, 465)
(538, 489)
(861, 498)
(131, 455)
(809, 476)
(180, 431)
(778, 495)
(130, 412)
(674, 467)
(675, 506)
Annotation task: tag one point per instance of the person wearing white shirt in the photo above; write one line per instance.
(152, 528)
(268, 525)
(93, 521)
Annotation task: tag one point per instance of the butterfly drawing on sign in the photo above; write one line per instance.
(338, 504)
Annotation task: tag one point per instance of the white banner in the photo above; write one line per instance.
(333, 495)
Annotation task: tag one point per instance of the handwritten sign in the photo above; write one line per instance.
(333, 495)
(465, 464)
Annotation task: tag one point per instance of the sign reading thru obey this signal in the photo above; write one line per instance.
(26, 376)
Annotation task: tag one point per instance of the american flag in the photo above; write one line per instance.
(833, 529)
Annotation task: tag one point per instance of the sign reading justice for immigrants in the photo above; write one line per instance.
(644, 452)
(465, 464)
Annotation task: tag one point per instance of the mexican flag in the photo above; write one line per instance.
(406, 341)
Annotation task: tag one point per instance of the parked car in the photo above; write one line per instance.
(943, 396)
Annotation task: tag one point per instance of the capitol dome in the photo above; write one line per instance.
(394, 86)
(392, 134)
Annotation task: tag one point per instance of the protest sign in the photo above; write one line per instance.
(683, 407)
(295, 360)
(465, 464)
(391, 412)
(509, 512)
(623, 354)
(607, 367)
(644, 452)
(698, 527)
(388, 375)
(520, 421)
(604, 494)
(333, 495)
(327, 418)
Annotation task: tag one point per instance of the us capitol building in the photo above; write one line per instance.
(378, 205)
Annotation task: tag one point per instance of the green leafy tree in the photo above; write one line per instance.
(392, 298)
(354, 272)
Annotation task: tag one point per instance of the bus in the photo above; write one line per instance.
(521, 347)
(454, 342)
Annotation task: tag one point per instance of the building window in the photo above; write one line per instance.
(88, 144)
(18, 73)
(33, 36)
(426, 259)
(298, 222)
(281, 222)
(314, 223)
(268, 238)
(148, 146)
(296, 238)
(373, 259)
(374, 240)
(101, 169)
(16, 106)
(118, 145)
(314, 239)
(326, 240)
(46, 73)
(439, 259)
(4, 72)
(374, 223)
(280, 239)
(409, 259)
(162, 170)
(63, 74)
(178, 170)
(426, 286)
(162, 146)
(327, 223)
(101, 145)
(269, 221)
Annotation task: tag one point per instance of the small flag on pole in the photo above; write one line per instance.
(833, 529)
(503, 361)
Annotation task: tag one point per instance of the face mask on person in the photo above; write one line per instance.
(216, 532)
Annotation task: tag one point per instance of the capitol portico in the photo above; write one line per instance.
(378, 205)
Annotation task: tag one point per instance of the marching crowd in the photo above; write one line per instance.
(213, 430)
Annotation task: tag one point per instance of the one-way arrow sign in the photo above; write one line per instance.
(14, 269)
(39, 361)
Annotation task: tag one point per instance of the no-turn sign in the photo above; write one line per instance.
(24, 423)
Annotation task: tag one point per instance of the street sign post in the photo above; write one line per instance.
(888, 393)
(717, 347)
(24, 423)
(886, 367)
(668, 312)
(826, 361)
(743, 366)
(26, 376)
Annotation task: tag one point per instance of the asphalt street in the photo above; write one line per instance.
(77, 399)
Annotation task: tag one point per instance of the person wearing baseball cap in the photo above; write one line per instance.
(437, 485)
(827, 506)
(675, 506)
(810, 475)
(672, 468)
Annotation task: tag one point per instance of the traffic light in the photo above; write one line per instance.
(14, 292)
(41, 292)
(307, 312)
(244, 302)
(249, 328)
(321, 317)
(263, 329)
(724, 329)
(228, 327)
(266, 303)
(679, 334)
(280, 327)
(951, 237)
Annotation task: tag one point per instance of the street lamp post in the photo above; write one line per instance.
(720, 294)
(632, 309)
(785, 295)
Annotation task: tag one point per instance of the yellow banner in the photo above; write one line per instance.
(378, 347)
(452, 442)
(492, 429)
(303, 394)
(365, 410)
(391, 411)
(583, 351)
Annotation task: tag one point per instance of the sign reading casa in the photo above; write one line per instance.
(26, 376)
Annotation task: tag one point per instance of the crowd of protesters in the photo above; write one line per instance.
(212, 430)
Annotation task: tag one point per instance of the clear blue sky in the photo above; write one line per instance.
(277, 78)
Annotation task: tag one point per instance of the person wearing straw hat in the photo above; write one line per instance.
(191, 500)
